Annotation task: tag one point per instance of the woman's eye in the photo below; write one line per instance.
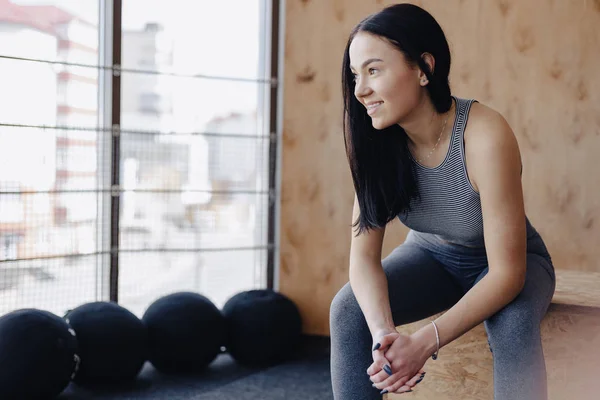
(372, 71)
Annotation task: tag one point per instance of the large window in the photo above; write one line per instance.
(177, 194)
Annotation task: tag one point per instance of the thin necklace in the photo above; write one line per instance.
(420, 160)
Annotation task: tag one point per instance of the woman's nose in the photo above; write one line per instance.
(361, 89)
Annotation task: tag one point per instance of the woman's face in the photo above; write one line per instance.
(386, 84)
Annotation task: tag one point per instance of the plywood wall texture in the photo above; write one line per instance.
(535, 61)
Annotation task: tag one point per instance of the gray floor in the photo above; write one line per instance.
(306, 377)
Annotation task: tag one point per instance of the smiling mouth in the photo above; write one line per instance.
(372, 108)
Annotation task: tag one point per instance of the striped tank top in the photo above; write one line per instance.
(449, 207)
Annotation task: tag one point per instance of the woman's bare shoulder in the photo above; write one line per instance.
(486, 127)
(489, 140)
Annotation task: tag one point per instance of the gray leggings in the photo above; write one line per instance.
(426, 276)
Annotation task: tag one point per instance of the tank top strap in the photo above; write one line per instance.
(464, 106)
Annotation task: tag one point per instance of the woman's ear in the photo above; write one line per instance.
(430, 61)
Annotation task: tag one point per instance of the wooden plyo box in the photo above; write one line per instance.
(570, 337)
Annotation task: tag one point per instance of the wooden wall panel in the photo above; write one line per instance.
(535, 61)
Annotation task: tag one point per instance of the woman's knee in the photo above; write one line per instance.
(513, 329)
(345, 312)
(517, 325)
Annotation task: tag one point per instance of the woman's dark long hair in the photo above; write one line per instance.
(379, 160)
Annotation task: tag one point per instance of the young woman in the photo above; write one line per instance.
(471, 250)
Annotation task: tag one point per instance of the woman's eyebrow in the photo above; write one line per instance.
(367, 62)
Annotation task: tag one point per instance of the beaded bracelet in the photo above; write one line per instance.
(437, 338)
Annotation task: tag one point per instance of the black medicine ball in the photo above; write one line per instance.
(37, 355)
(263, 327)
(186, 332)
(113, 343)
